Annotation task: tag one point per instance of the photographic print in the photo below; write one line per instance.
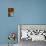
(10, 12)
(28, 33)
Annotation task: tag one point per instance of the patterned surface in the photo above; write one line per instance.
(33, 27)
(33, 30)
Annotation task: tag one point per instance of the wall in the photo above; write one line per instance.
(31, 11)
(27, 12)
(7, 24)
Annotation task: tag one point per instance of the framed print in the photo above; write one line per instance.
(10, 12)
(32, 32)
